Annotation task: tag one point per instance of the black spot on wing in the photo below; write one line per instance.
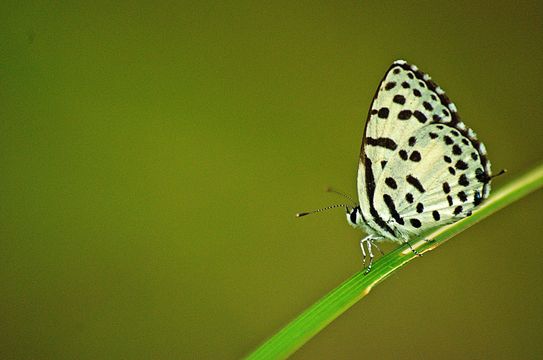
(461, 165)
(382, 142)
(392, 209)
(415, 223)
(456, 150)
(383, 113)
(399, 99)
(415, 156)
(404, 115)
(390, 85)
(391, 183)
(463, 180)
(427, 106)
(415, 183)
(420, 116)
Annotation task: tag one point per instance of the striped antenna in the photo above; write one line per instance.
(300, 214)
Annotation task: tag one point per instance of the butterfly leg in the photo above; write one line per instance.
(368, 242)
(378, 248)
(412, 249)
(363, 252)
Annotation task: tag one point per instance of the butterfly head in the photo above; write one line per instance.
(354, 216)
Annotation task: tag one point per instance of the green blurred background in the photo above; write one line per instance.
(153, 156)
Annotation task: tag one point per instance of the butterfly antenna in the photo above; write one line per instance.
(502, 171)
(300, 214)
(329, 189)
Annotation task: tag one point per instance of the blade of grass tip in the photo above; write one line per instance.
(327, 309)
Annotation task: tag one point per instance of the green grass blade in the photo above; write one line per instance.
(314, 319)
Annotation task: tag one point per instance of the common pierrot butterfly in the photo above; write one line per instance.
(420, 166)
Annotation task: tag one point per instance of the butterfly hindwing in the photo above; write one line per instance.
(411, 134)
(440, 185)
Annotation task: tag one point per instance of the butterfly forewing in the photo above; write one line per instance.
(419, 165)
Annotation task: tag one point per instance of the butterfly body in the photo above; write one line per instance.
(420, 166)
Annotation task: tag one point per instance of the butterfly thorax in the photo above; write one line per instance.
(356, 219)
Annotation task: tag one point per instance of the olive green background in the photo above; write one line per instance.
(153, 154)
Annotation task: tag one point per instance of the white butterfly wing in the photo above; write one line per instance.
(401, 155)
(440, 186)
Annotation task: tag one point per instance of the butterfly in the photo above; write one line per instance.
(420, 166)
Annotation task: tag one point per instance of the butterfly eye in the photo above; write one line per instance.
(353, 216)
